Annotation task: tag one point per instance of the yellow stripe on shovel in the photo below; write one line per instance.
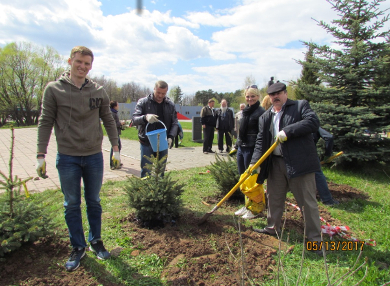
(332, 157)
(247, 173)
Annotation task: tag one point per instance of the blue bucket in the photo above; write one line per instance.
(154, 138)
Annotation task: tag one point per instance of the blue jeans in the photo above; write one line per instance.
(322, 187)
(70, 170)
(244, 157)
(148, 151)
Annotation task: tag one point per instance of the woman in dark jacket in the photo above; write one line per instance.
(114, 111)
(249, 127)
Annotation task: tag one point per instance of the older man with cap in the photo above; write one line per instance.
(293, 164)
(208, 120)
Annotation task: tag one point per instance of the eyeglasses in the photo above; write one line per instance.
(251, 86)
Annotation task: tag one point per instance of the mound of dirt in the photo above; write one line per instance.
(209, 254)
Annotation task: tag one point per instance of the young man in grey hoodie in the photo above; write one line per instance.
(74, 105)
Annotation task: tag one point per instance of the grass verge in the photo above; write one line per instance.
(367, 218)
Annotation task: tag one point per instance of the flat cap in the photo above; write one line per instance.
(276, 87)
(211, 100)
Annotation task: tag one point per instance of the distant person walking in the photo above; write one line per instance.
(179, 135)
(321, 184)
(237, 119)
(119, 125)
(208, 120)
(75, 104)
(225, 126)
(151, 109)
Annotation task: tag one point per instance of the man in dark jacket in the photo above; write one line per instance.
(208, 120)
(293, 163)
(322, 185)
(225, 126)
(151, 109)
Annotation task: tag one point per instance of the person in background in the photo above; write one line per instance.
(114, 111)
(224, 126)
(293, 163)
(74, 104)
(249, 128)
(208, 120)
(266, 102)
(237, 119)
(321, 184)
(180, 135)
(151, 109)
(271, 82)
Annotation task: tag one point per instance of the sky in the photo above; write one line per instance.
(194, 44)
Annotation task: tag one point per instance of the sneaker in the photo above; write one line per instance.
(98, 248)
(332, 202)
(248, 215)
(74, 260)
(241, 211)
(220, 151)
(205, 152)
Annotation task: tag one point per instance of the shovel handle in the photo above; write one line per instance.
(247, 173)
(332, 157)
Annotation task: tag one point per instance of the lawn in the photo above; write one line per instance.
(367, 218)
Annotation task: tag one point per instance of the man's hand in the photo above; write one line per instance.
(281, 136)
(116, 160)
(170, 143)
(41, 168)
(255, 171)
(151, 118)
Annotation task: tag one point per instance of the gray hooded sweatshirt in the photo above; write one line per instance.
(75, 114)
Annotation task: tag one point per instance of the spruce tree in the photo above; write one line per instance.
(353, 102)
(309, 75)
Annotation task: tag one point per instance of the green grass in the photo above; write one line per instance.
(186, 125)
(366, 218)
(9, 124)
(132, 134)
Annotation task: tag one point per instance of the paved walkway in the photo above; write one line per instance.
(25, 147)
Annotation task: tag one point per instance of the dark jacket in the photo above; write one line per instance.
(225, 123)
(328, 138)
(298, 121)
(208, 116)
(147, 105)
(118, 124)
(253, 129)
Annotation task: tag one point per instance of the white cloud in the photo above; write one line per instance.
(222, 46)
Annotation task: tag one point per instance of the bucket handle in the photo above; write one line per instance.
(146, 128)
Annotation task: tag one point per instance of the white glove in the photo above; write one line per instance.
(169, 143)
(41, 168)
(116, 160)
(255, 171)
(151, 118)
(281, 136)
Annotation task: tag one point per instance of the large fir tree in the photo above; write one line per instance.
(353, 102)
(309, 75)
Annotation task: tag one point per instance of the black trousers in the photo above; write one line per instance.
(227, 134)
(208, 137)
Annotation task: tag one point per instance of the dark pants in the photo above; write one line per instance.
(228, 136)
(244, 157)
(112, 151)
(176, 141)
(208, 137)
